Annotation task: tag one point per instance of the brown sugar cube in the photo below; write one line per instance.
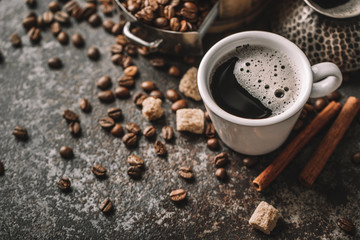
(264, 218)
(188, 84)
(190, 120)
(152, 109)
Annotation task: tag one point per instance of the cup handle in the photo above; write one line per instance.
(327, 78)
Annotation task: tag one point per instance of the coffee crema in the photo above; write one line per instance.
(255, 82)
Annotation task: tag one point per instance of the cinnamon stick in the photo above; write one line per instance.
(285, 157)
(327, 146)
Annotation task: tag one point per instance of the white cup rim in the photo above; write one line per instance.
(267, 36)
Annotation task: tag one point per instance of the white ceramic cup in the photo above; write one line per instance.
(261, 136)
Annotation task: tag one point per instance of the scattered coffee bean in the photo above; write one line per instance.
(66, 152)
(320, 103)
(34, 34)
(346, 225)
(63, 38)
(250, 161)
(139, 98)
(221, 159)
(104, 82)
(334, 96)
(117, 59)
(70, 6)
(126, 61)
(106, 96)
(167, 133)
(78, 40)
(85, 105)
(117, 29)
(213, 144)
(54, 6)
(179, 104)
(93, 53)
(121, 39)
(131, 71)
(40, 22)
(149, 132)
(207, 116)
(106, 205)
(131, 49)
(117, 130)
(174, 71)
(94, 20)
(29, 22)
(134, 172)
(98, 170)
(221, 173)
(1, 169)
(210, 130)
(31, 3)
(158, 62)
(156, 94)
(64, 184)
(108, 25)
(107, 8)
(186, 173)
(133, 128)
(178, 195)
(130, 139)
(74, 128)
(122, 92)
(116, 49)
(126, 81)
(70, 116)
(160, 148)
(15, 40)
(20, 133)
(172, 95)
(106, 123)
(115, 113)
(88, 10)
(356, 158)
(77, 13)
(48, 17)
(135, 161)
(55, 28)
(143, 50)
(55, 63)
(148, 86)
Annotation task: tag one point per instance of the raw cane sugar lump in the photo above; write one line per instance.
(152, 109)
(264, 218)
(190, 120)
(188, 84)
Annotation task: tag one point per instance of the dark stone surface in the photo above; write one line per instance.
(32, 207)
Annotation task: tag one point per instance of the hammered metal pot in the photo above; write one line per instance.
(321, 38)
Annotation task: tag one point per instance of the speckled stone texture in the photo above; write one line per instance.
(32, 207)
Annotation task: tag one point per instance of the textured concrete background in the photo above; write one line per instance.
(32, 207)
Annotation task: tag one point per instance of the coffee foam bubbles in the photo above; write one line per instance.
(267, 75)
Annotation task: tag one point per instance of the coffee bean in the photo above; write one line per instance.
(161, 22)
(250, 161)
(186, 173)
(172, 95)
(133, 128)
(334, 96)
(346, 225)
(106, 123)
(104, 82)
(1, 169)
(98, 170)
(148, 86)
(64, 184)
(213, 144)
(20, 133)
(174, 71)
(88, 10)
(85, 105)
(169, 12)
(55, 63)
(158, 62)
(94, 20)
(320, 103)
(179, 104)
(78, 40)
(70, 6)
(74, 128)
(93, 53)
(221, 173)
(117, 59)
(156, 94)
(34, 34)
(149, 132)
(40, 22)
(122, 92)
(66, 152)
(55, 28)
(48, 17)
(162, 2)
(121, 39)
(207, 116)
(106, 96)
(54, 6)
(160, 148)
(29, 22)
(221, 159)
(178, 195)
(126, 61)
(130, 139)
(135, 161)
(139, 98)
(115, 113)
(126, 81)
(15, 40)
(70, 116)
(131, 71)
(77, 13)
(356, 158)
(117, 130)
(106, 205)
(116, 49)
(108, 25)
(63, 38)
(183, 26)
(174, 24)
(167, 133)
(107, 8)
(210, 130)
(31, 3)
(134, 172)
(143, 50)
(117, 29)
